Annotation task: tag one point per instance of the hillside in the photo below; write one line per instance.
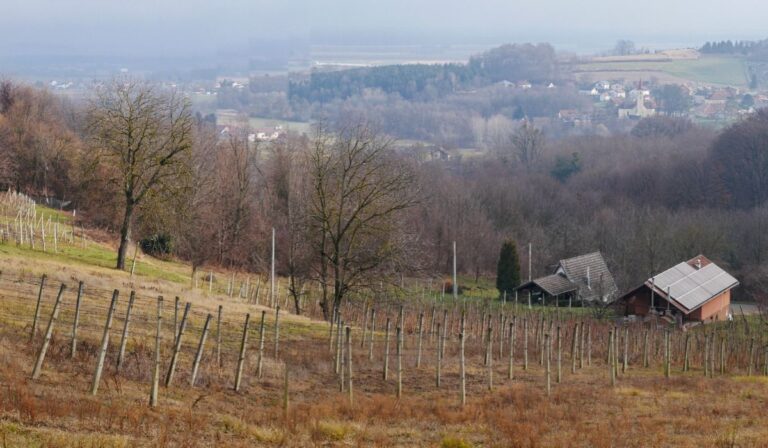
(417, 404)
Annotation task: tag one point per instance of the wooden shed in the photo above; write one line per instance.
(585, 278)
(693, 291)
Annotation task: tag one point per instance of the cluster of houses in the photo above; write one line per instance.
(637, 101)
(691, 292)
(257, 135)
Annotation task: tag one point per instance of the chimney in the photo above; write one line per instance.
(698, 263)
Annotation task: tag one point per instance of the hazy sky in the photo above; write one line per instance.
(192, 27)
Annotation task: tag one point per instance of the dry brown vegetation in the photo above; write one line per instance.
(643, 409)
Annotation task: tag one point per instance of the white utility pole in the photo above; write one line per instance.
(272, 272)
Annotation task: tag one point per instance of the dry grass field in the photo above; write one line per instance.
(644, 408)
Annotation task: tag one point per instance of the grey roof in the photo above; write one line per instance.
(587, 271)
(691, 287)
(553, 285)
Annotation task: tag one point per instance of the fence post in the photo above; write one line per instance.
(626, 350)
(175, 319)
(104, 343)
(574, 343)
(199, 353)
(386, 351)
(610, 357)
(124, 337)
(277, 331)
(525, 343)
(349, 364)
(489, 357)
(77, 319)
(241, 357)
(418, 345)
(260, 361)
(511, 370)
(177, 345)
(548, 348)
(559, 355)
(48, 333)
(285, 390)
(156, 370)
(439, 357)
(218, 335)
(687, 351)
(373, 333)
(399, 362)
(462, 370)
(37, 307)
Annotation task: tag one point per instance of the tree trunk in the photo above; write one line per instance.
(125, 234)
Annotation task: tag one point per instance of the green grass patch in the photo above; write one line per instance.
(713, 69)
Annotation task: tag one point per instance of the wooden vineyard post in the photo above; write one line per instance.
(76, 320)
(349, 365)
(241, 359)
(525, 343)
(124, 337)
(37, 307)
(386, 351)
(337, 358)
(511, 369)
(260, 361)
(547, 348)
(177, 346)
(559, 356)
(589, 345)
(48, 333)
(581, 345)
(439, 357)
(489, 357)
(574, 343)
(156, 369)
(751, 356)
(462, 371)
(285, 390)
(200, 348)
(625, 361)
(373, 329)
(277, 331)
(175, 319)
(399, 362)
(645, 349)
(104, 344)
(218, 335)
(686, 354)
(706, 355)
(610, 358)
(666, 354)
(418, 344)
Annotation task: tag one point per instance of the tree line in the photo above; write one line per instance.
(352, 211)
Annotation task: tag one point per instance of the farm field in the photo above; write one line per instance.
(417, 338)
(230, 117)
(707, 69)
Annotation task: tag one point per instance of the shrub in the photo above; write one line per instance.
(157, 245)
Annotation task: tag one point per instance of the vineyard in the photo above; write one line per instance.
(117, 359)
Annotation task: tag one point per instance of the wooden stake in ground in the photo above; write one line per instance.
(218, 335)
(285, 390)
(124, 337)
(37, 307)
(559, 355)
(260, 361)
(277, 331)
(439, 357)
(611, 358)
(199, 353)
(399, 362)
(158, 340)
(373, 333)
(349, 365)
(511, 370)
(547, 347)
(76, 320)
(48, 333)
(104, 344)
(418, 345)
(177, 346)
(489, 356)
(525, 343)
(241, 359)
(462, 370)
(386, 351)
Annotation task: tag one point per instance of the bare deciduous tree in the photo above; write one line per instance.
(144, 136)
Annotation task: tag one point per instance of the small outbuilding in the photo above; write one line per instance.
(696, 290)
(585, 279)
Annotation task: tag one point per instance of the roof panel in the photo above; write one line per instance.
(691, 287)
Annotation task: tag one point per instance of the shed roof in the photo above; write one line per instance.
(553, 285)
(691, 286)
(590, 273)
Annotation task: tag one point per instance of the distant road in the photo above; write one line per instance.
(746, 308)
